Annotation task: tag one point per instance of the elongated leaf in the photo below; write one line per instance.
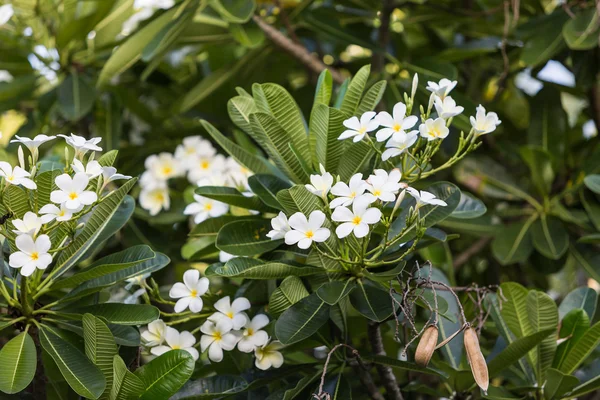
(325, 128)
(266, 188)
(539, 161)
(468, 207)
(239, 109)
(232, 197)
(302, 320)
(514, 309)
(75, 97)
(548, 125)
(558, 384)
(581, 32)
(513, 243)
(372, 302)
(125, 384)
(237, 11)
(550, 237)
(100, 347)
(583, 298)
(17, 199)
(593, 183)
(586, 387)
(166, 374)
(246, 238)
(121, 314)
(251, 268)
(211, 226)
(543, 314)
(582, 349)
(290, 291)
(123, 335)
(333, 292)
(18, 363)
(372, 98)
(355, 159)
(214, 387)
(407, 366)
(573, 326)
(355, 91)
(301, 385)
(83, 377)
(545, 40)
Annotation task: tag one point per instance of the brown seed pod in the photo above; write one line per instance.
(426, 345)
(476, 360)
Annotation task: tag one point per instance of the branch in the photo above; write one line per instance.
(385, 372)
(296, 50)
(471, 251)
(383, 35)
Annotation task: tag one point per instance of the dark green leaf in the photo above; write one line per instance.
(166, 374)
(302, 320)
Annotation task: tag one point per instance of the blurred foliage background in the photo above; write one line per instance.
(141, 74)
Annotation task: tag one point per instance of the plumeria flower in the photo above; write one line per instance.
(398, 123)
(434, 129)
(304, 231)
(206, 165)
(280, 227)
(441, 89)
(447, 108)
(484, 123)
(238, 175)
(16, 176)
(224, 256)
(160, 167)
(268, 356)
(155, 334)
(33, 144)
(177, 341)
(189, 291)
(50, 212)
(6, 12)
(398, 144)
(384, 186)
(6, 76)
(92, 169)
(423, 197)
(204, 208)
(252, 335)
(321, 184)
(348, 193)
(359, 128)
(72, 191)
(193, 147)
(155, 200)
(81, 144)
(32, 254)
(217, 337)
(231, 311)
(29, 225)
(109, 174)
(357, 220)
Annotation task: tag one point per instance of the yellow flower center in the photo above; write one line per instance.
(362, 130)
(204, 164)
(194, 293)
(249, 332)
(10, 178)
(167, 170)
(397, 127)
(217, 336)
(309, 234)
(176, 347)
(356, 220)
(72, 195)
(229, 314)
(377, 192)
(61, 213)
(208, 207)
(35, 256)
(159, 197)
(353, 195)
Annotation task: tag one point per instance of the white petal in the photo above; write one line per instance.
(215, 353)
(240, 304)
(344, 230)
(196, 305)
(321, 235)
(293, 237)
(178, 291)
(190, 278)
(361, 230)
(371, 216)
(182, 304)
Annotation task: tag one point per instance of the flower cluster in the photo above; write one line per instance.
(78, 189)
(228, 327)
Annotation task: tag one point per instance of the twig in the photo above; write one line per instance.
(385, 372)
(475, 248)
(383, 35)
(286, 22)
(324, 395)
(297, 51)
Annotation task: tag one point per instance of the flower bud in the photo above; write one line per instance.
(415, 83)
(476, 360)
(21, 157)
(426, 345)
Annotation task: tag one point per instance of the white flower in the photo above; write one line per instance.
(434, 129)
(320, 183)
(224, 256)
(238, 175)
(415, 84)
(160, 167)
(29, 225)
(109, 174)
(177, 341)
(31, 255)
(81, 144)
(155, 200)
(72, 192)
(189, 291)
(358, 129)
(16, 176)
(304, 231)
(191, 148)
(280, 227)
(204, 208)
(441, 89)
(50, 212)
(217, 337)
(138, 280)
(384, 186)
(6, 12)
(33, 144)
(252, 335)
(268, 356)
(348, 193)
(447, 108)
(423, 197)
(396, 124)
(589, 129)
(398, 144)
(5, 76)
(155, 334)
(92, 169)
(231, 311)
(484, 123)
(205, 166)
(357, 220)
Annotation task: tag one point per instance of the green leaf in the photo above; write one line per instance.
(18, 363)
(355, 91)
(372, 302)
(355, 159)
(232, 196)
(406, 366)
(584, 298)
(100, 347)
(98, 221)
(168, 35)
(302, 320)
(17, 200)
(301, 386)
(545, 40)
(514, 309)
(246, 238)
(266, 188)
(123, 335)
(586, 387)
(290, 291)
(540, 165)
(76, 97)
(166, 374)
(543, 314)
(581, 349)
(550, 237)
(251, 268)
(126, 385)
(237, 11)
(211, 226)
(213, 387)
(581, 32)
(548, 127)
(572, 328)
(82, 376)
(324, 129)
(593, 183)
(333, 292)
(468, 207)
(592, 208)
(513, 242)
(121, 314)
(558, 384)
(248, 35)
(587, 259)
(372, 98)
(45, 185)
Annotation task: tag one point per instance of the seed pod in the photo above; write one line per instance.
(426, 345)
(476, 360)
